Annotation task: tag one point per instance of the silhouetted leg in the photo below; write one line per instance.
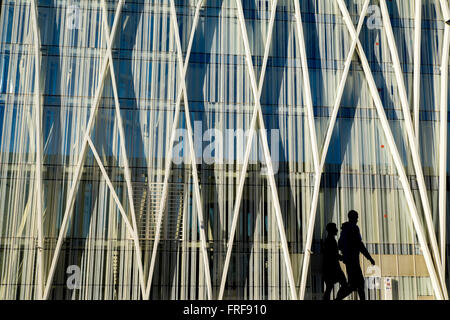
(359, 279)
(328, 287)
(345, 289)
(356, 278)
(343, 292)
(361, 293)
(327, 293)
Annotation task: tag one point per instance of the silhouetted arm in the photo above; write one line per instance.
(363, 250)
(338, 256)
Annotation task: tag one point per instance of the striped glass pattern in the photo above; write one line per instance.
(110, 189)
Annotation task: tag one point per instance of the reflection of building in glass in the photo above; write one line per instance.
(91, 95)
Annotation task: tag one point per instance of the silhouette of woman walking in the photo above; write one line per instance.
(332, 272)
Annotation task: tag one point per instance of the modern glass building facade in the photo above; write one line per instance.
(196, 149)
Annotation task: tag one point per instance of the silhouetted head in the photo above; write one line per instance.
(353, 216)
(332, 229)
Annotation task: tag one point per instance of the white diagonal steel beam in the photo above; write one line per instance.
(443, 144)
(183, 67)
(268, 159)
(445, 10)
(412, 143)
(395, 155)
(318, 177)
(417, 62)
(201, 221)
(248, 149)
(82, 155)
(111, 188)
(169, 156)
(307, 86)
(38, 138)
(123, 148)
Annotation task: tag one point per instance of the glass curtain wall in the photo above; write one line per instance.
(100, 228)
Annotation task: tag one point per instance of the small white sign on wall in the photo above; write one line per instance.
(387, 288)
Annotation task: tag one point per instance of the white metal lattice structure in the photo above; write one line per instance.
(38, 135)
(433, 250)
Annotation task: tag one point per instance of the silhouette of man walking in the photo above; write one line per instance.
(350, 243)
(332, 271)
